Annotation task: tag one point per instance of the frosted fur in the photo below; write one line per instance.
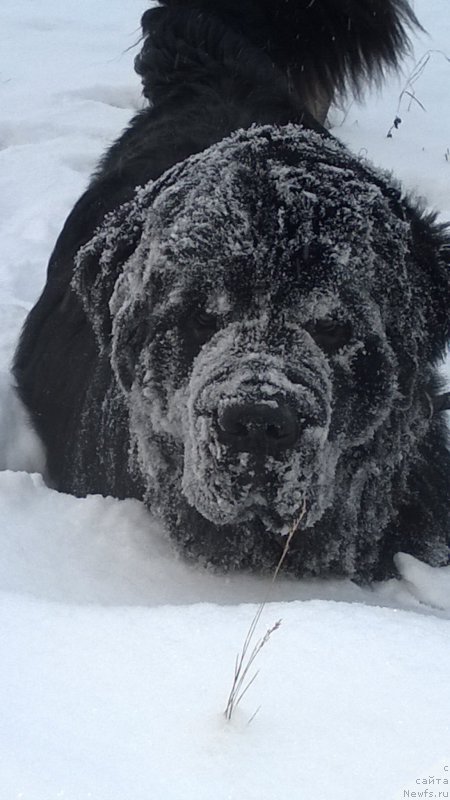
(270, 230)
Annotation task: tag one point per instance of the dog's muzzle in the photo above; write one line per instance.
(255, 436)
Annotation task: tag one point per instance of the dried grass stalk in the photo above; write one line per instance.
(247, 656)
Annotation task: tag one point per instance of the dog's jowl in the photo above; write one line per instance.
(242, 320)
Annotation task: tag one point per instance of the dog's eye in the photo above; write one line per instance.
(205, 325)
(329, 334)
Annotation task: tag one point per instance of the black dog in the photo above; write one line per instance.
(252, 338)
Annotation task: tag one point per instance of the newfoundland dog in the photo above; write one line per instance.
(242, 320)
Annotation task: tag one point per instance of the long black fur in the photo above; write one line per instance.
(323, 47)
(209, 68)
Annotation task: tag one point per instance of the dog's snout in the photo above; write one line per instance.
(258, 427)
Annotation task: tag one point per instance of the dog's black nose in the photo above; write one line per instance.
(258, 427)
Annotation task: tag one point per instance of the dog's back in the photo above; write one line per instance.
(320, 47)
(210, 67)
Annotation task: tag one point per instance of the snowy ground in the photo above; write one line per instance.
(117, 658)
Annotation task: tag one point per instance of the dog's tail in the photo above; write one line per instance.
(325, 47)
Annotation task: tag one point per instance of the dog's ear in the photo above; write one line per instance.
(100, 263)
(431, 249)
(128, 342)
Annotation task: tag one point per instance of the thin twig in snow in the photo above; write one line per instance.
(244, 659)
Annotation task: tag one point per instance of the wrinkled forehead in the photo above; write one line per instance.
(270, 220)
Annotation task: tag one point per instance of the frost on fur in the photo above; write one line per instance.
(275, 234)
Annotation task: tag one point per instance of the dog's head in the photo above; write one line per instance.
(272, 323)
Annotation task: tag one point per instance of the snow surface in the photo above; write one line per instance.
(117, 657)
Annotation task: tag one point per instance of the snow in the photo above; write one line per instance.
(118, 702)
(117, 657)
